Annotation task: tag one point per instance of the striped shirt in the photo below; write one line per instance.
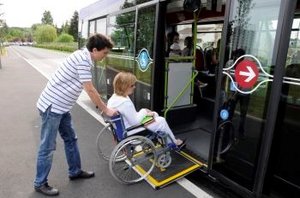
(65, 85)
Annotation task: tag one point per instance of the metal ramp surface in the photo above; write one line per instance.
(183, 163)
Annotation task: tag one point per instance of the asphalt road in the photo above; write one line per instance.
(20, 86)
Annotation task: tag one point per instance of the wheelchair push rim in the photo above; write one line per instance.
(106, 142)
(140, 159)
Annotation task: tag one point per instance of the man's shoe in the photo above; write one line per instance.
(47, 190)
(83, 175)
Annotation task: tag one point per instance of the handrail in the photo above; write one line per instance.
(185, 87)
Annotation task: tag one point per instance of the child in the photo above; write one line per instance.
(124, 85)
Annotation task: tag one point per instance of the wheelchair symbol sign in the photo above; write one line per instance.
(144, 60)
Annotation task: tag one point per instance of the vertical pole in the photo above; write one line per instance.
(1, 44)
(195, 37)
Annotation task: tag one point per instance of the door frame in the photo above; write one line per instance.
(281, 45)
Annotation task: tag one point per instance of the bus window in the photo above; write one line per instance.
(207, 60)
(92, 28)
(145, 41)
(120, 28)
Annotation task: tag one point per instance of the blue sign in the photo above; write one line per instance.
(224, 114)
(144, 60)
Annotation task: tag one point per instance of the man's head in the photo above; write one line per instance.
(99, 46)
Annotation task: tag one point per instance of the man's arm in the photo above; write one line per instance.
(96, 99)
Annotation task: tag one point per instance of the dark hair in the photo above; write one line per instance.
(99, 42)
(189, 41)
(238, 52)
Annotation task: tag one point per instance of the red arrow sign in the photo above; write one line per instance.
(246, 73)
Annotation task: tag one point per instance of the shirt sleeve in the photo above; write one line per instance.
(84, 72)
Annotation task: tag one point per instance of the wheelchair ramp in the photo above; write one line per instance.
(182, 164)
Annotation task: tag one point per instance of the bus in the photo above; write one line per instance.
(232, 90)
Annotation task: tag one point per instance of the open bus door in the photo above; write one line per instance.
(190, 80)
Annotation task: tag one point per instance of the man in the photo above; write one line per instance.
(55, 103)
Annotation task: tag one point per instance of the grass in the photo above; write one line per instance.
(67, 47)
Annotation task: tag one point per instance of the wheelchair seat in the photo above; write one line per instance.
(121, 132)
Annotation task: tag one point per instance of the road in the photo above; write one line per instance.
(23, 75)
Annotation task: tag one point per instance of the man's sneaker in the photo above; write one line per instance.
(83, 175)
(47, 190)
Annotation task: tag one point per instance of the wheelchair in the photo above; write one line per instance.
(133, 152)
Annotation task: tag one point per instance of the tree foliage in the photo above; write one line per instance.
(45, 33)
(73, 28)
(47, 18)
(65, 27)
(65, 38)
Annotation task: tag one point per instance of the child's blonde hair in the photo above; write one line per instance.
(122, 81)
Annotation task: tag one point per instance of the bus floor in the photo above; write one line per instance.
(197, 142)
(198, 136)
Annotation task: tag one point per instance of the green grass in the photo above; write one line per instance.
(67, 47)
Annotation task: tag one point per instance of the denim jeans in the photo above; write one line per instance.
(51, 124)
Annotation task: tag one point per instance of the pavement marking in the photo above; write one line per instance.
(193, 189)
(84, 98)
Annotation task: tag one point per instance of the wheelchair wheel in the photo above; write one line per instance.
(164, 160)
(106, 142)
(140, 156)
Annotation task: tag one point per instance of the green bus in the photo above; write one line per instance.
(232, 88)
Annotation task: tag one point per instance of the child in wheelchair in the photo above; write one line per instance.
(124, 85)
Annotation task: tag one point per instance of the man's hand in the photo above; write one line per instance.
(95, 97)
(110, 112)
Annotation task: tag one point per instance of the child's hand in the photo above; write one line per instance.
(150, 113)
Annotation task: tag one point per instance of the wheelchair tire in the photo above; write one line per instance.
(164, 160)
(106, 142)
(140, 155)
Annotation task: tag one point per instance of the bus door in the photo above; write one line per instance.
(283, 169)
(249, 80)
(190, 88)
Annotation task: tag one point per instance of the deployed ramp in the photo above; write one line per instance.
(183, 163)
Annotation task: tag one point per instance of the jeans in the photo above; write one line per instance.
(51, 124)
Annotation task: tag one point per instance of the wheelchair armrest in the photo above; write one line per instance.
(134, 127)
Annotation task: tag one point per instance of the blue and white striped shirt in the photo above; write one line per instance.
(65, 85)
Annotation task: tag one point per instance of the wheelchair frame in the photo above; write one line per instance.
(127, 150)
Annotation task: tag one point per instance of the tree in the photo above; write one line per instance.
(65, 38)
(34, 26)
(47, 18)
(3, 29)
(45, 33)
(73, 28)
(65, 27)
